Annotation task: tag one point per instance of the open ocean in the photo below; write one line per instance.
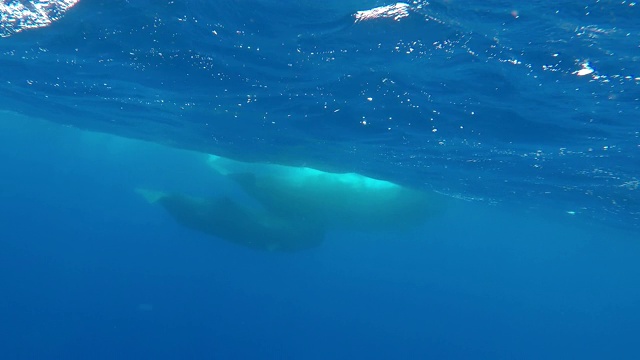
(522, 120)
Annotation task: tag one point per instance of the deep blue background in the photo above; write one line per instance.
(467, 99)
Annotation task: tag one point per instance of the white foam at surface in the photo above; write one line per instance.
(16, 16)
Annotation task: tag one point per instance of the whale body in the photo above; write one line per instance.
(339, 200)
(297, 205)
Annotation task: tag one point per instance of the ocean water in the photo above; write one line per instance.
(523, 116)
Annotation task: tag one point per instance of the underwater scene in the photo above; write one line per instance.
(353, 179)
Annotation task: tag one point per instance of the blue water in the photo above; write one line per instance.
(524, 115)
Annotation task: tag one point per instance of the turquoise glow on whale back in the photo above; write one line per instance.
(297, 176)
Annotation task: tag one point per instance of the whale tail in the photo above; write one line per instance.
(152, 196)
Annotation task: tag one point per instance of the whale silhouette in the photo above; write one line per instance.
(298, 205)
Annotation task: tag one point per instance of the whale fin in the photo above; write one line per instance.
(218, 164)
(152, 196)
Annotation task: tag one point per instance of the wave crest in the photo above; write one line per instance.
(19, 15)
(396, 12)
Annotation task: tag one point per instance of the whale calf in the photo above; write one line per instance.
(227, 219)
